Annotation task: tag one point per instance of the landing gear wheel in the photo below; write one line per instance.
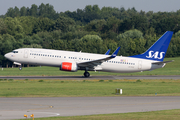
(86, 74)
(20, 68)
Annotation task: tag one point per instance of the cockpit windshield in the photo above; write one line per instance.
(15, 51)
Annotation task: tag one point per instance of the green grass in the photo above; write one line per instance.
(80, 88)
(153, 115)
(172, 68)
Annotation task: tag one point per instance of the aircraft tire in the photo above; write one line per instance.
(20, 68)
(86, 74)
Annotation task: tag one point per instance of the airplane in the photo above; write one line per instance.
(74, 61)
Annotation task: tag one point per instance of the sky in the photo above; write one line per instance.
(73, 5)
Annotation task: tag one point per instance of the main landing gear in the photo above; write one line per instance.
(86, 74)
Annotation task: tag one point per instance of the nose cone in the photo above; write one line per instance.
(7, 56)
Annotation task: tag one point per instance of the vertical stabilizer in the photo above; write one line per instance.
(158, 50)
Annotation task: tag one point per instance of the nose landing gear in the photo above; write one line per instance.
(20, 67)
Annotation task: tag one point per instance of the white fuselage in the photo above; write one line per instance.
(47, 57)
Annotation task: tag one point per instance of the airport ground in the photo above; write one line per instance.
(76, 98)
(159, 89)
(91, 107)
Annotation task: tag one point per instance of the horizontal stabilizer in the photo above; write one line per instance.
(162, 62)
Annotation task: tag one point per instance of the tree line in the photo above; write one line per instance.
(90, 29)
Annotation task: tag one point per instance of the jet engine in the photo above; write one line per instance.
(68, 66)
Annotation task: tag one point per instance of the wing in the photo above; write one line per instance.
(93, 63)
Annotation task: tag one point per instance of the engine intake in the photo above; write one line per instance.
(68, 66)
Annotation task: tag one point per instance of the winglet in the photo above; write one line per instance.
(107, 53)
(115, 53)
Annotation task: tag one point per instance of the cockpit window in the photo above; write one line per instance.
(15, 51)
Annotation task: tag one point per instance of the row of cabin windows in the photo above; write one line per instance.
(72, 57)
(45, 55)
(121, 62)
(80, 58)
(84, 59)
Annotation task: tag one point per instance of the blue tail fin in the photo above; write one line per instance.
(158, 50)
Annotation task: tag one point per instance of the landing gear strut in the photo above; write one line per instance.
(86, 74)
(20, 67)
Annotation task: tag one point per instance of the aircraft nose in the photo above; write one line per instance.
(6, 55)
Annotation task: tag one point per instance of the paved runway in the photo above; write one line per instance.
(15, 108)
(91, 77)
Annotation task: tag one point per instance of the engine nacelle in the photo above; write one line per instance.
(68, 66)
